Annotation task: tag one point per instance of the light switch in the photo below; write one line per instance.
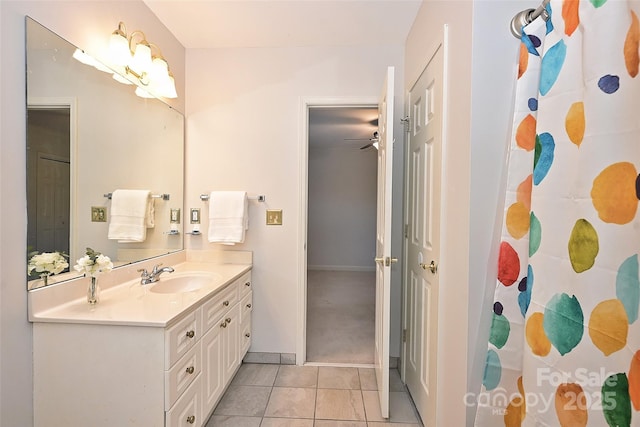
(274, 217)
(98, 214)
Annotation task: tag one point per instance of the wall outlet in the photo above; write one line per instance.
(175, 216)
(274, 217)
(98, 214)
(195, 216)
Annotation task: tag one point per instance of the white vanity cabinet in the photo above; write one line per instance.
(142, 375)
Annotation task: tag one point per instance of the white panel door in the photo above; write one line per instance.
(423, 237)
(383, 241)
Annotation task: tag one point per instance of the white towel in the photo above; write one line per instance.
(228, 216)
(131, 214)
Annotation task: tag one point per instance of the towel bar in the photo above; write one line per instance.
(260, 198)
(164, 196)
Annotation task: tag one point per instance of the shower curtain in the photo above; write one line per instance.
(564, 346)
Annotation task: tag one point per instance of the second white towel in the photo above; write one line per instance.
(228, 216)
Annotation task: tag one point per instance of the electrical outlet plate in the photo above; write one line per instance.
(195, 216)
(98, 214)
(274, 217)
(175, 216)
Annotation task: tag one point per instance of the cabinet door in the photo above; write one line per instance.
(231, 340)
(212, 371)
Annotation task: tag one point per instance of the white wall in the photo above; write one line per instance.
(453, 269)
(342, 208)
(494, 70)
(88, 25)
(244, 118)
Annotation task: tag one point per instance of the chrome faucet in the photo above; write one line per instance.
(154, 276)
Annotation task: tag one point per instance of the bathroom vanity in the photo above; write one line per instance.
(141, 357)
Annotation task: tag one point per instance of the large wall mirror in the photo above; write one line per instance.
(87, 136)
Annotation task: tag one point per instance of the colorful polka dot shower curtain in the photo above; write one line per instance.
(564, 346)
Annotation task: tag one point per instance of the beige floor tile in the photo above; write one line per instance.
(286, 422)
(333, 423)
(334, 404)
(367, 379)
(400, 408)
(233, 421)
(338, 378)
(256, 374)
(249, 401)
(297, 376)
(289, 402)
(387, 424)
(395, 383)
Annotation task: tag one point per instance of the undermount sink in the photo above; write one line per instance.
(188, 282)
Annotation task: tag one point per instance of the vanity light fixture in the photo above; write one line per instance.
(142, 62)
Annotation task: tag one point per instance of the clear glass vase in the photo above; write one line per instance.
(93, 291)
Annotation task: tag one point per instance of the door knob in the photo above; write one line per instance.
(432, 267)
(387, 261)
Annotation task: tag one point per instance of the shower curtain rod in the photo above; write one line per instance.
(528, 16)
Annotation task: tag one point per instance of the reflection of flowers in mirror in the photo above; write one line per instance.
(93, 263)
(47, 263)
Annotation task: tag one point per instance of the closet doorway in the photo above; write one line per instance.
(341, 230)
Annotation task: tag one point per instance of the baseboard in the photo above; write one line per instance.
(341, 268)
(290, 359)
(270, 358)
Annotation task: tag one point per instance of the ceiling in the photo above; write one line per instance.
(286, 23)
(210, 24)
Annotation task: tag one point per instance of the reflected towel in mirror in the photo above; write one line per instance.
(132, 212)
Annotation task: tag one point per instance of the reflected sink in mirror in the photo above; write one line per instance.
(183, 283)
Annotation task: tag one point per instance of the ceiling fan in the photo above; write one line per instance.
(373, 142)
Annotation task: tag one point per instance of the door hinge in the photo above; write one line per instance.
(404, 335)
(406, 121)
(406, 231)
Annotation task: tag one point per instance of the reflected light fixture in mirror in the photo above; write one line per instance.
(142, 62)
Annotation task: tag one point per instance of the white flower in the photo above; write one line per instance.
(93, 263)
(47, 263)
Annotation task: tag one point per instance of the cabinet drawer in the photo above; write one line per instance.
(214, 309)
(246, 306)
(181, 375)
(245, 284)
(181, 337)
(187, 412)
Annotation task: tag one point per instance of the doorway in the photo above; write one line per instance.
(49, 178)
(341, 229)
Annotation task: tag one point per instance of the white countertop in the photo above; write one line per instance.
(131, 303)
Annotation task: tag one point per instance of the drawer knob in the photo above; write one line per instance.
(247, 335)
(248, 284)
(191, 419)
(190, 370)
(248, 305)
(228, 320)
(223, 325)
(191, 334)
(226, 303)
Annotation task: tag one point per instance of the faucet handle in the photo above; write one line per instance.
(155, 268)
(144, 272)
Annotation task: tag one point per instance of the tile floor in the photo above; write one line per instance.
(264, 395)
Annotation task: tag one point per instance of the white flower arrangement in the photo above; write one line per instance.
(93, 263)
(47, 263)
